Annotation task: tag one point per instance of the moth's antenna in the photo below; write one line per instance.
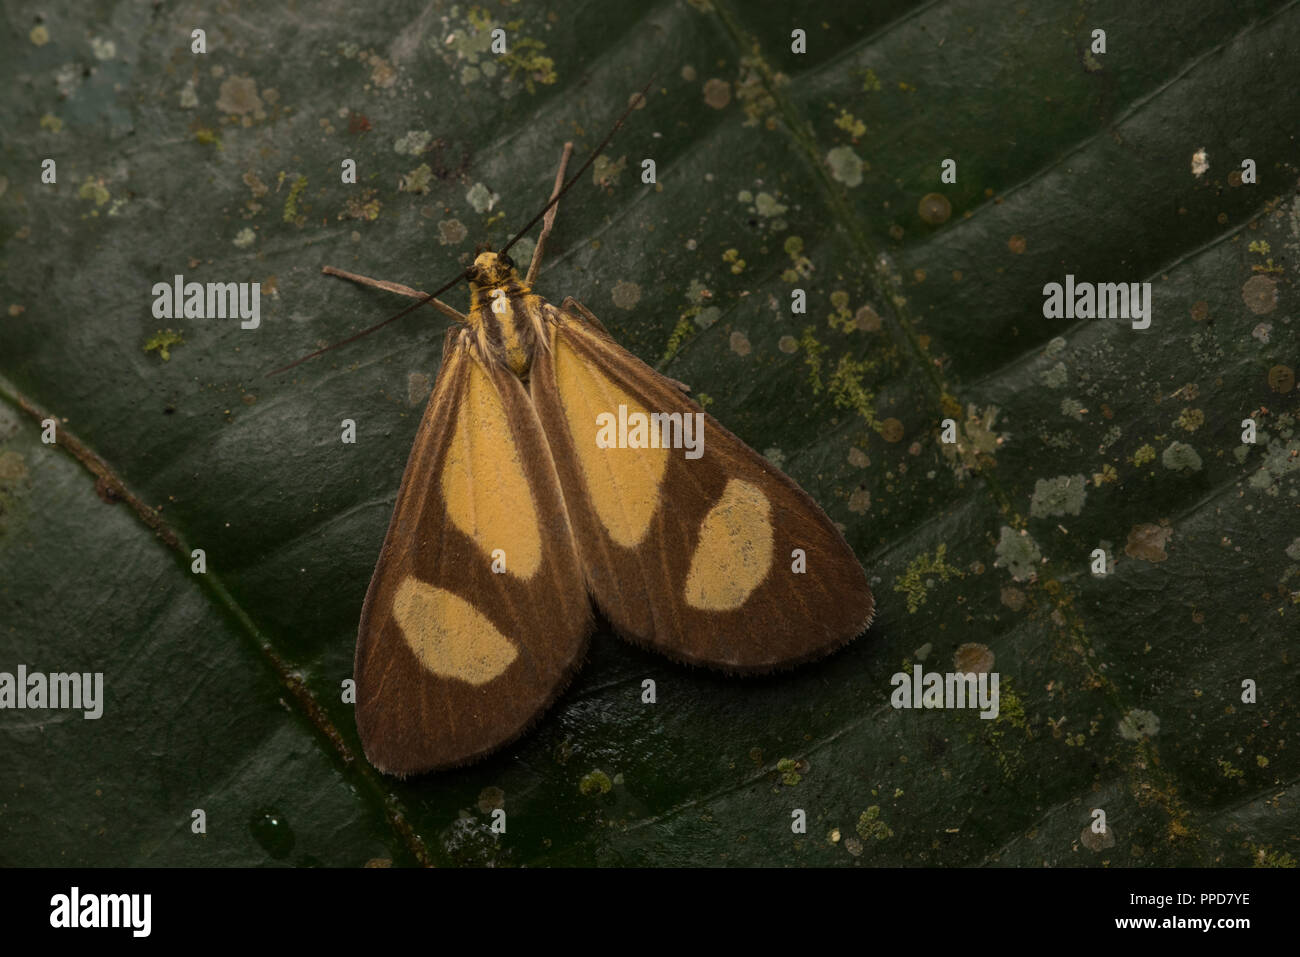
(365, 332)
(636, 101)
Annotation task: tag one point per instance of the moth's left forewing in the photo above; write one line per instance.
(720, 559)
(476, 616)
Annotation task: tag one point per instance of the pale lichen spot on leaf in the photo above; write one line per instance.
(412, 143)
(417, 180)
(626, 294)
(1147, 541)
(973, 658)
(366, 206)
(382, 73)
(1095, 841)
(255, 184)
(845, 165)
(13, 467)
(1012, 597)
(1139, 723)
(595, 783)
(924, 573)
(451, 232)
(753, 90)
(1055, 377)
(707, 316)
(481, 198)
(238, 96)
(934, 209)
(606, 172)
(1018, 553)
(162, 341)
(94, 189)
(851, 124)
(717, 93)
(867, 319)
(1259, 293)
(522, 253)
(870, 826)
(1180, 456)
(1073, 408)
(1200, 162)
(1190, 419)
(1062, 495)
(418, 387)
(292, 214)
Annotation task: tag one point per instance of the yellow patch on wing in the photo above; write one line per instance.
(624, 483)
(449, 636)
(734, 552)
(483, 481)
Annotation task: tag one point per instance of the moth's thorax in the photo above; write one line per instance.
(504, 314)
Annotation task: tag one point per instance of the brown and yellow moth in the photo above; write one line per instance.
(517, 514)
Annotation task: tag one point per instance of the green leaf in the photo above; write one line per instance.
(777, 171)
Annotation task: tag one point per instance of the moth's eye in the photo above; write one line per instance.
(506, 261)
(471, 273)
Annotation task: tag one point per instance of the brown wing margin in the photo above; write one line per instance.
(683, 563)
(454, 659)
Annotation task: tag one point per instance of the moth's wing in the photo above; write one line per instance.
(719, 560)
(454, 659)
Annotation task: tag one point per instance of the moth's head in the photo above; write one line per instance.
(490, 269)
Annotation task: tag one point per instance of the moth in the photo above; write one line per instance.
(517, 516)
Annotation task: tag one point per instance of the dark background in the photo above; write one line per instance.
(775, 171)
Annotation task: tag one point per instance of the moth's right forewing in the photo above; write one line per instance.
(718, 560)
(477, 615)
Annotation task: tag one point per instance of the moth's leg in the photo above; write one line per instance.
(571, 305)
(549, 219)
(396, 287)
(680, 385)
